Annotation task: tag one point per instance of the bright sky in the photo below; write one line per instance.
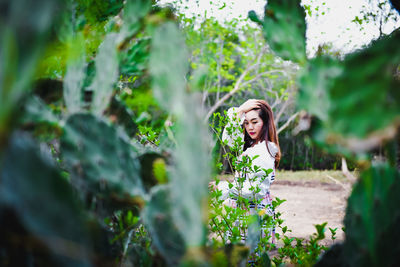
(333, 27)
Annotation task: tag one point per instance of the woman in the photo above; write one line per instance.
(262, 146)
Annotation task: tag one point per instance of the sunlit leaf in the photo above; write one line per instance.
(37, 111)
(106, 74)
(75, 75)
(190, 175)
(168, 67)
(22, 41)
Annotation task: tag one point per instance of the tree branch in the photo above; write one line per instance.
(237, 87)
(228, 95)
(346, 171)
(260, 75)
(284, 106)
(277, 100)
(287, 122)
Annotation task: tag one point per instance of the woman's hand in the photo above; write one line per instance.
(248, 105)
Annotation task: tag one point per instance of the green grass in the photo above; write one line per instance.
(313, 175)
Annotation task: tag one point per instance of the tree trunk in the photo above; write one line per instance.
(346, 171)
(293, 151)
(306, 159)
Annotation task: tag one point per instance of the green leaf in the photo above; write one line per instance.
(106, 74)
(285, 28)
(320, 230)
(44, 204)
(355, 101)
(75, 75)
(38, 111)
(372, 218)
(134, 60)
(191, 173)
(253, 17)
(100, 157)
(158, 218)
(22, 42)
(168, 67)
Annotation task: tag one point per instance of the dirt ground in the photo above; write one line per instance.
(309, 203)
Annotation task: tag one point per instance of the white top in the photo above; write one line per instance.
(264, 161)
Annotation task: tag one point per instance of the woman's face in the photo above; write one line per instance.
(253, 124)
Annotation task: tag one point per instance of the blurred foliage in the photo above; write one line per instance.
(371, 221)
(343, 88)
(104, 155)
(22, 43)
(380, 14)
(158, 217)
(353, 107)
(40, 192)
(284, 28)
(95, 11)
(372, 218)
(86, 155)
(37, 202)
(189, 178)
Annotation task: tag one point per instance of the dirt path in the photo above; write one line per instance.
(309, 203)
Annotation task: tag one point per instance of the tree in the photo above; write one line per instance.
(238, 65)
(378, 14)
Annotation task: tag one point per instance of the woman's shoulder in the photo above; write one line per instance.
(273, 148)
(261, 149)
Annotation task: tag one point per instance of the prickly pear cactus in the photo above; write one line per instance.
(158, 217)
(23, 41)
(373, 218)
(100, 158)
(355, 107)
(284, 28)
(34, 199)
(190, 175)
(356, 99)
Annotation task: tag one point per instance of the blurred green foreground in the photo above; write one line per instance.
(106, 154)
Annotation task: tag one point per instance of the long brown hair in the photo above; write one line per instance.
(268, 131)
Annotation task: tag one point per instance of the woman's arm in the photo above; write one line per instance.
(248, 105)
(233, 128)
